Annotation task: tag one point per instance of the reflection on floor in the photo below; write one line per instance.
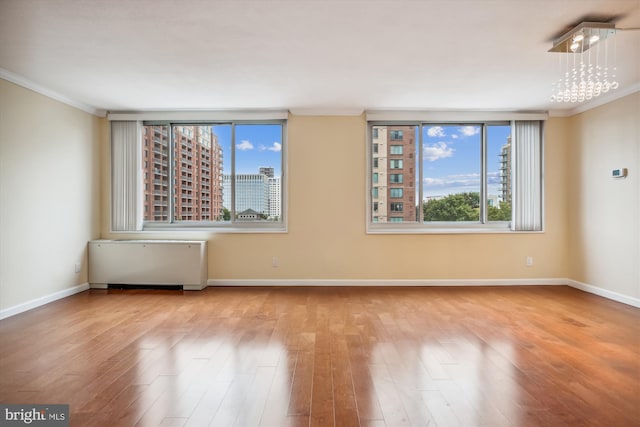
(354, 356)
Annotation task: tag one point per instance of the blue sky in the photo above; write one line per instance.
(256, 146)
(451, 158)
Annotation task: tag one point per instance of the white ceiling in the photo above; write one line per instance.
(303, 55)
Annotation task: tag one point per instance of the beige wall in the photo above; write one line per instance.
(327, 239)
(49, 194)
(54, 197)
(604, 213)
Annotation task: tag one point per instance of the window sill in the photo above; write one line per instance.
(378, 228)
(247, 227)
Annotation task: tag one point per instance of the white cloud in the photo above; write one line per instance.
(469, 130)
(493, 178)
(244, 145)
(452, 184)
(436, 131)
(466, 176)
(434, 182)
(276, 147)
(469, 180)
(436, 151)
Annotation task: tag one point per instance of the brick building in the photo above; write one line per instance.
(197, 186)
(394, 173)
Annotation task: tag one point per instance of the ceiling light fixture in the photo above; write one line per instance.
(587, 66)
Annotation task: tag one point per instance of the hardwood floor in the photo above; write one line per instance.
(504, 356)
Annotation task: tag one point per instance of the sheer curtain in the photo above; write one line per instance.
(126, 176)
(527, 175)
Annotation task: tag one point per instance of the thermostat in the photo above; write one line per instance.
(619, 173)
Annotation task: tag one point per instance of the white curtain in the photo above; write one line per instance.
(527, 176)
(126, 176)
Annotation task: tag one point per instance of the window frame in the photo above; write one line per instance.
(396, 135)
(445, 227)
(398, 148)
(393, 190)
(399, 178)
(233, 225)
(396, 164)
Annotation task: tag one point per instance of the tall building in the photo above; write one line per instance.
(394, 173)
(197, 186)
(379, 177)
(267, 170)
(505, 171)
(252, 192)
(155, 161)
(255, 193)
(275, 200)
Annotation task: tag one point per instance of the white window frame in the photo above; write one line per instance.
(482, 226)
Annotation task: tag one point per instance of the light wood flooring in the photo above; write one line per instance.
(352, 356)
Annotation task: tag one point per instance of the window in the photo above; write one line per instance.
(451, 166)
(201, 156)
(395, 207)
(200, 174)
(395, 178)
(396, 193)
(466, 175)
(395, 164)
(396, 150)
(498, 203)
(396, 135)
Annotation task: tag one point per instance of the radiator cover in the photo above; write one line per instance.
(148, 262)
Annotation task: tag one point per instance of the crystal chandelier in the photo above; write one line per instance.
(587, 64)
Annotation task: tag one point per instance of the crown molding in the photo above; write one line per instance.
(326, 111)
(453, 115)
(28, 84)
(199, 115)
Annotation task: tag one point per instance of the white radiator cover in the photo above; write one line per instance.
(148, 262)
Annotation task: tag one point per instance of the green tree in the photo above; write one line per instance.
(500, 213)
(226, 214)
(454, 207)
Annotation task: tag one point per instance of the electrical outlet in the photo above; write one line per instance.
(78, 267)
(529, 261)
(275, 263)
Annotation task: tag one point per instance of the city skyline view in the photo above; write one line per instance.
(194, 182)
(450, 183)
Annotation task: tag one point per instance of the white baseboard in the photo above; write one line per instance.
(388, 282)
(615, 296)
(199, 287)
(635, 302)
(34, 303)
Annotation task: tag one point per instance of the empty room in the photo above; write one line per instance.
(320, 213)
